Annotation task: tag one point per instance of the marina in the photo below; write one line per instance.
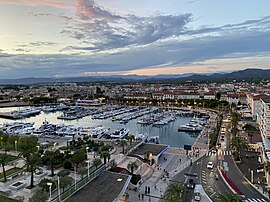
(162, 126)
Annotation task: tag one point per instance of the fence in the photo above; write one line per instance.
(79, 185)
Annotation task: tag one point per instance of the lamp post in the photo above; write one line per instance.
(50, 190)
(88, 167)
(87, 148)
(58, 186)
(251, 176)
(75, 178)
(15, 145)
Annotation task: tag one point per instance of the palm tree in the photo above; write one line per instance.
(4, 160)
(51, 158)
(130, 138)
(123, 143)
(229, 197)
(27, 146)
(234, 119)
(33, 162)
(132, 166)
(175, 193)
(105, 155)
(238, 144)
(97, 162)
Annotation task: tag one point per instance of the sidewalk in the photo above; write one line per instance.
(250, 164)
(173, 161)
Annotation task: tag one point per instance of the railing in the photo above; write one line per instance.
(79, 185)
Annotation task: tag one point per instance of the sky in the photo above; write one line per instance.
(66, 38)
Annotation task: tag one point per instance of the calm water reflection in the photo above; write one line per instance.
(168, 134)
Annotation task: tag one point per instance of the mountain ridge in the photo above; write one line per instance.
(246, 74)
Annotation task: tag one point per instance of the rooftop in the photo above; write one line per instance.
(266, 100)
(155, 149)
(107, 187)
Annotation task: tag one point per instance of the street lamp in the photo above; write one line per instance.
(75, 177)
(58, 186)
(50, 189)
(88, 167)
(15, 145)
(251, 176)
(87, 148)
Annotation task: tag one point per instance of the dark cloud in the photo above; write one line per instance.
(43, 43)
(22, 50)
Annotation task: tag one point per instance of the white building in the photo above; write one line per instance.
(264, 117)
(254, 104)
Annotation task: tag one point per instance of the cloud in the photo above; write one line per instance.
(87, 9)
(60, 16)
(51, 3)
(22, 50)
(43, 43)
(101, 29)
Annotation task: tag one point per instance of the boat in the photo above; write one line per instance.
(142, 137)
(190, 127)
(120, 133)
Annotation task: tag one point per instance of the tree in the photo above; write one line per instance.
(238, 144)
(27, 146)
(63, 173)
(97, 162)
(65, 181)
(82, 171)
(51, 158)
(132, 166)
(218, 95)
(130, 138)
(79, 156)
(123, 143)
(39, 196)
(105, 155)
(229, 197)
(4, 160)
(175, 193)
(43, 184)
(33, 162)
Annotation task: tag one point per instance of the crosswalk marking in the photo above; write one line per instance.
(225, 153)
(255, 200)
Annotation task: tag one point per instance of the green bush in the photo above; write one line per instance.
(135, 179)
(67, 164)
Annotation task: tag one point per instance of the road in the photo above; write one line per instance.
(224, 158)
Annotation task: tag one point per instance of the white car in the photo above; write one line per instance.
(210, 165)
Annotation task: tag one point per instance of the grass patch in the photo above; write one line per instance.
(6, 199)
(10, 172)
(11, 158)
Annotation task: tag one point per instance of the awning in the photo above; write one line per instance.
(254, 146)
(266, 144)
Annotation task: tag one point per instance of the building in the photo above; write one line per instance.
(254, 104)
(264, 118)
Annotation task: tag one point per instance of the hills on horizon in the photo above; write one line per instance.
(247, 74)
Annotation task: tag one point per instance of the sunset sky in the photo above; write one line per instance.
(63, 38)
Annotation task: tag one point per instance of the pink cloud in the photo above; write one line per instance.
(51, 3)
(86, 9)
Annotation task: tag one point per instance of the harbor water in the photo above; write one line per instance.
(168, 134)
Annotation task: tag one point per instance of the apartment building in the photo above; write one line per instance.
(264, 118)
(254, 103)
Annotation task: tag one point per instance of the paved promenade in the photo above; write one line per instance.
(173, 162)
